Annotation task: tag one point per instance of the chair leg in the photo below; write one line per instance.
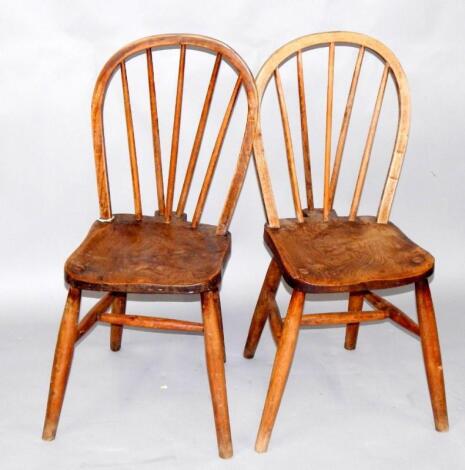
(220, 322)
(276, 322)
(281, 367)
(355, 304)
(62, 363)
(262, 309)
(431, 354)
(216, 374)
(116, 331)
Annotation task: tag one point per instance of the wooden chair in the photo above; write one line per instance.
(321, 252)
(164, 253)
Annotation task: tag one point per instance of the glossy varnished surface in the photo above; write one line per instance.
(149, 256)
(339, 255)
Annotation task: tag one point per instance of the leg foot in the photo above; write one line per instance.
(431, 354)
(62, 363)
(216, 374)
(281, 367)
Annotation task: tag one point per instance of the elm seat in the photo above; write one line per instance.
(149, 256)
(341, 255)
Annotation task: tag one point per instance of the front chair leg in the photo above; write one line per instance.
(116, 331)
(216, 376)
(355, 305)
(262, 309)
(62, 363)
(431, 354)
(281, 367)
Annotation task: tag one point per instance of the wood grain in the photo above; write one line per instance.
(343, 256)
(131, 143)
(289, 147)
(369, 45)
(155, 133)
(62, 363)
(149, 256)
(328, 133)
(355, 304)
(198, 137)
(304, 132)
(143, 321)
(431, 354)
(116, 329)
(262, 309)
(281, 367)
(214, 353)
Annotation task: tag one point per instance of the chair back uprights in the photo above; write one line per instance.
(148, 48)
(391, 67)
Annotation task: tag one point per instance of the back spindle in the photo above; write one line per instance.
(344, 127)
(175, 135)
(368, 145)
(304, 131)
(155, 134)
(131, 143)
(198, 137)
(328, 135)
(215, 154)
(289, 149)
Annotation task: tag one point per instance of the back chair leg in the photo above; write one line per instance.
(216, 375)
(281, 368)
(431, 354)
(262, 309)
(220, 321)
(276, 322)
(62, 363)
(355, 305)
(116, 331)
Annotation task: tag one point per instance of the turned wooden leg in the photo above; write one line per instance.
(220, 322)
(355, 305)
(116, 331)
(276, 322)
(431, 354)
(281, 367)
(216, 374)
(67, 336)
(262, 309)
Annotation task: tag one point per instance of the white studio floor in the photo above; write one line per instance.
(148, 406)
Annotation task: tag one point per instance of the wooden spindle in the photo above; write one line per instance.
(328, 135)
(175, 135)
(369, 145)
(198, 137)
(215, 154)
(289, 149)
(131, 143)
(304, 131)
(155, 134)
(345, 127)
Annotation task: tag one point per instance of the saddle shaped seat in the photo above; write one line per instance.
(149, 256)
(341, 255)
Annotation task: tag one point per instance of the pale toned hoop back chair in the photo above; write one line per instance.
(321, 252)
(165, 253)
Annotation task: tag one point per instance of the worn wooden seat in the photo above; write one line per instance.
(341, 255)
(319, 251)
(149, 256)
(169, 252)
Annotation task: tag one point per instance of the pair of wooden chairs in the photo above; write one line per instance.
(317, 251)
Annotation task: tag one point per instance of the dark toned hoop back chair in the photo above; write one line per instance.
(165, 253)
(319, 251)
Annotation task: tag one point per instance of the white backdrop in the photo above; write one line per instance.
(50, 55)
